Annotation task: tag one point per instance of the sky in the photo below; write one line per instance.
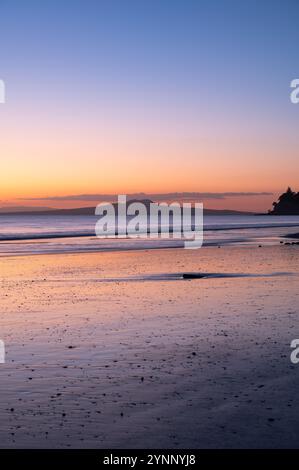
(154, 96)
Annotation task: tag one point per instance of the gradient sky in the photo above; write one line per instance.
(122, 96)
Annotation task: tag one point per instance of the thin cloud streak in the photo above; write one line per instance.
(155, 196)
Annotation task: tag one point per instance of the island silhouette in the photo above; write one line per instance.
(91, 210)
(287, 204)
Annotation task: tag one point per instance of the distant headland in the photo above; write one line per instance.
(287, 204)
(27, 211)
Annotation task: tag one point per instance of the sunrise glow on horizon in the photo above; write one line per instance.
(106, 102)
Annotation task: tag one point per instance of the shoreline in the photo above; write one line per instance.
(243, 244)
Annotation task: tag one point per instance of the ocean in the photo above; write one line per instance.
(36, 234)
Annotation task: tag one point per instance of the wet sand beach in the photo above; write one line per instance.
(114, 350)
